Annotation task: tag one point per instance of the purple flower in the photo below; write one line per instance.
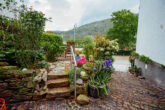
(41, 50)
(107, 61)
(94, 69)
(104, 68)
(104, 62)
(110, 62)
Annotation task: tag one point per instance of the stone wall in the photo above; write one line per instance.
(154, 72)
(16, 87)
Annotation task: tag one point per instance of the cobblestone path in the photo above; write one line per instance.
(126, 93)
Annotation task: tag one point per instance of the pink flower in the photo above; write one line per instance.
(82, 60)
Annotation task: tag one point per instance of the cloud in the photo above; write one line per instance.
(135, 9)
(65, 13)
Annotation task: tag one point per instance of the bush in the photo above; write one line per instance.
(52, 38)
(89, 49)
(105, 48)
(51, 44)
(71, 74)
(78, 43)
(41, 64)
(20, 37)
(123, 52)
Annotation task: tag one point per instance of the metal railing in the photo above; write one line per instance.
(75, 66)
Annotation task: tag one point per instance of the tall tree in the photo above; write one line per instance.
(124, 28)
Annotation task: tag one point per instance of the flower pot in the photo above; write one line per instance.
(79, 65)
(96, 92)
(87, 68)
(93, 91)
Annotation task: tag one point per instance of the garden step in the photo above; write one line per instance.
(62, 82)
(57, 75)
(58, 92)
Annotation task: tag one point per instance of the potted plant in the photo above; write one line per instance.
(88, 66)
(81, 61)
(135, 71)
(98, 84)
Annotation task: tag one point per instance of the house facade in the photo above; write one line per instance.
(151, 39)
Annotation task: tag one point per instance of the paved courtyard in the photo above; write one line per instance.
(126, 92)
(121, 63)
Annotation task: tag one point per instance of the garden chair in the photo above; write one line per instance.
(2, 104)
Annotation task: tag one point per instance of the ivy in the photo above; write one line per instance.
(145, 59)
(142, 58)
(162, 66)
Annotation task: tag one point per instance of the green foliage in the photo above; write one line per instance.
(71, 74)
(145, 59)
(101, 76)
(40, 56)
(52, 38)
(87, 40)
(105, 48)
(23, 33)
(142, 58)
(41, 64)
(162, 66)
(78, 43)
(124, 28)
(81, 43)
(89, 49)
(135, 70)
(10, 56)
(135, 55)
(51, 44)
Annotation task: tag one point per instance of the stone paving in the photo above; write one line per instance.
(121, 63)
(126, 92)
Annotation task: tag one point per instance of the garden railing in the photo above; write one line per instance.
(75, 66)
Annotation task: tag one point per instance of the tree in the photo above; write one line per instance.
(87, 40)
(124, 28)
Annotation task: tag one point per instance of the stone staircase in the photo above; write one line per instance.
(58, 81)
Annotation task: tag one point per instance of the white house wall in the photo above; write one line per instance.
(151, 30)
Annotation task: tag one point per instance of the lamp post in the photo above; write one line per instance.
(75, 31)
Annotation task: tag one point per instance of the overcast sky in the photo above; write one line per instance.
(66, 13)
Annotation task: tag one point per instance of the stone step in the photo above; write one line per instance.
(57, 75)
(58, 92)
(62, 82)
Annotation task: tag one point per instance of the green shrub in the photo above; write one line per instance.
(89, 49)
(52, 38)
(142, 58)
(162, 66)
(20, 37)
(135, 70)
(51, 44)
(105, 48)
(71, 74)
(145, 59)
(41, 64)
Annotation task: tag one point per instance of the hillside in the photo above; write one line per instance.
(90, 29)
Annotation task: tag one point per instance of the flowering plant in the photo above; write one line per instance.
(101, 75)
(105, 48)
(82, 61)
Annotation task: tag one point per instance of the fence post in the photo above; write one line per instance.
(75, 82)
